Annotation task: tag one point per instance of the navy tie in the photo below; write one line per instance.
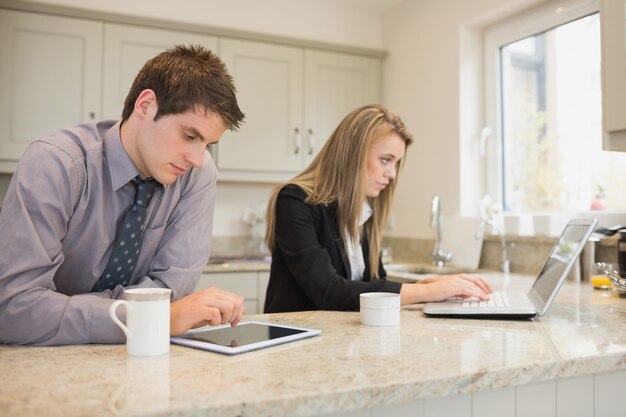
(119, 270)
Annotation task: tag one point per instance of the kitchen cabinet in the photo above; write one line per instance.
(268, 79)
(57, 71)
(87, 65)
(293, 99)
(126, 50)
(263, 278)
(613, 29)
(249, 284)
(335, 84)
(50, 77)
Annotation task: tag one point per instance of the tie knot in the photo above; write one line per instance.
(144, 189)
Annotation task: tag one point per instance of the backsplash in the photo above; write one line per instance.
(527, 255)
(237, 246)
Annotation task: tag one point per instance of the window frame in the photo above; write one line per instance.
(539, 19)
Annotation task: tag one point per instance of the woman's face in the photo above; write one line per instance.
(382, 161)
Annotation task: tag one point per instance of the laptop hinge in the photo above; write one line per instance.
(537, 302)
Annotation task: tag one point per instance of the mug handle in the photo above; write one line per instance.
(112, 313)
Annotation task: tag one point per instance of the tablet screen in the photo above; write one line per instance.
(244, 334)
(242, 338)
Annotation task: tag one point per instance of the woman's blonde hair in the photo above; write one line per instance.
(337, 174)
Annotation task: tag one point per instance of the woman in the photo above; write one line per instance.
(324, 227)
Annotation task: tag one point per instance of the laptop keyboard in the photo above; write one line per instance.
(497, 299)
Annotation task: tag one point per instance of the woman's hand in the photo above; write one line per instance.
(446, 286)
(210, 305)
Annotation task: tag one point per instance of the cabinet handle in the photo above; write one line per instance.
(298, 141)
(92, 115)
(311, 141)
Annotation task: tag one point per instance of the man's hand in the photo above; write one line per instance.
(210, 305)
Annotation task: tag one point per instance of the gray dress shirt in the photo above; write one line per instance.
(57, 229)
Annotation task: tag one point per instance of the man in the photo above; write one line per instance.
(63, 220)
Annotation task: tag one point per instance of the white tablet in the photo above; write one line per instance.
(244, 337)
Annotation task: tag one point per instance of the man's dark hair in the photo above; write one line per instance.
(184, 79)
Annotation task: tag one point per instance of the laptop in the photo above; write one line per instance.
(518, 304)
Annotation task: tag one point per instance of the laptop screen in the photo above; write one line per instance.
(561, 259)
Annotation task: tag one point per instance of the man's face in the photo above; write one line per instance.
(172, 144)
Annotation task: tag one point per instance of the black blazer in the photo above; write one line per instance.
(310, 269)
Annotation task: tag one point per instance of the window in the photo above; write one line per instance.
(544, 102)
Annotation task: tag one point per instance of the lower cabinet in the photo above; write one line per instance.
(251, 285)
(264, 279)
(594, 395)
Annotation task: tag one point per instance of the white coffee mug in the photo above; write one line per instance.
(147, 326)
(380, 308)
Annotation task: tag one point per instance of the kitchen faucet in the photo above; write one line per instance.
(439, 255)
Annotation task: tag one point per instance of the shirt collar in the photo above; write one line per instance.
(121, 167)
(366, 213)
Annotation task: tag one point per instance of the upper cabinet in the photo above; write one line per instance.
(335, 84)
(59, 71)
(613, 24)
(50, 72)
(293, 99)
(126, 50)
(268, 79)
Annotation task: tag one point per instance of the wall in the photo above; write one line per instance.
(432, 77)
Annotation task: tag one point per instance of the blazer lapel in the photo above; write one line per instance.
(366, 256)
(341, 247)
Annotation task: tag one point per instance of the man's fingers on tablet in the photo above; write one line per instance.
(229, 307)
(214, 293)
(242, 312)
(238, 310)
(221, 293)
(213, 316)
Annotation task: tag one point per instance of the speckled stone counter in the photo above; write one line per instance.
(348, 367)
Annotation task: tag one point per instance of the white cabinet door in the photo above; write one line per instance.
(50, 71)
(126, 50)
(335, 84)
(264, 279)
(251, 285)
(293, 99)
(242, 283)
(268, 79)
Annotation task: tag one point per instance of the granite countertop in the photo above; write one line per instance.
(349, 366)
